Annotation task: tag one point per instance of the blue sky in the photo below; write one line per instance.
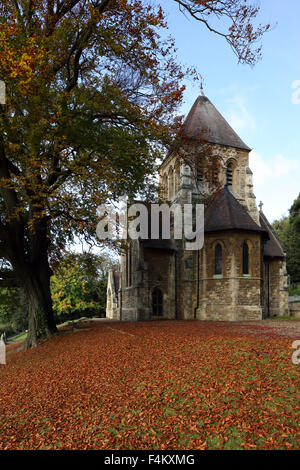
(257, 101)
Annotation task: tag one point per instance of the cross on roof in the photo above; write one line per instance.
(260, 206)
(201, 88)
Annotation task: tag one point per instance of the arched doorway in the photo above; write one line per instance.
(157, 302)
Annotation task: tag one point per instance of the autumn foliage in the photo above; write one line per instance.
(153, 385)
(91, 90)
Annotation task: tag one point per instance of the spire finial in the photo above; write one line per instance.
(201, 88)
(260, 206)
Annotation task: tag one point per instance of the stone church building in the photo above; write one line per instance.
(240, 273)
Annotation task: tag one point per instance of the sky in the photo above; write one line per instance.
(259, 102)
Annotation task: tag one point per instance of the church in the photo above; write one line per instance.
(240, 273)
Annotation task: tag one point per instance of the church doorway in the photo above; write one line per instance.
(157, 302)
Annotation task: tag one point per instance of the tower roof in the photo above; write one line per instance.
(204, 121)
(226, 213)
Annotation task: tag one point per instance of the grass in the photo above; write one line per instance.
(159, 385)
(20, 337)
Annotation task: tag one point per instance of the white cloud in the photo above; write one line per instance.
(237, 98)
(238, 115)
(276, 183)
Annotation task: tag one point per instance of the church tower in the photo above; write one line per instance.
(182, 175)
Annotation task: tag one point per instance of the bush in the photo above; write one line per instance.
(294, 290)
(8, 329)
(13, 311)
(78, 287)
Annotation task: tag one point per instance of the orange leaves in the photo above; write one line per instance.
(166, 385)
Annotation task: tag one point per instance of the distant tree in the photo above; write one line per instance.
(78, 286)
(288, 229)
(295, 215)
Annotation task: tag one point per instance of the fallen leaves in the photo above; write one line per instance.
(161, 385)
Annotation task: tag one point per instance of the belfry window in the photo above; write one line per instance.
(229, 175)
(157, 302)
(128, 280)
(199, 173)
(171, 183)
(218, 260)
(245, 258)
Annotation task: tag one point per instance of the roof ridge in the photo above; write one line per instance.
(275, 236)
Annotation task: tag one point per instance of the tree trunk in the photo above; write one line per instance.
(41, 321)
(36, 282)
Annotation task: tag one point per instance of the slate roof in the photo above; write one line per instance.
(205, 122)
(226, 213)
(273, 248)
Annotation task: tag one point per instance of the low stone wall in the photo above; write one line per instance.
(294, 306)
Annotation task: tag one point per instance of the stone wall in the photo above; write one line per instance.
(231, 296)
(129, 304)
(187, 266)
(294, 306)
(278, 289)
(160, 266)
(184, 177)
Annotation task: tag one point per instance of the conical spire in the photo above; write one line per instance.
(205, 122)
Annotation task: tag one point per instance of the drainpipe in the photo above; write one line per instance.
(175, 278)
(197, 287)
(120, 294)
(268, 290)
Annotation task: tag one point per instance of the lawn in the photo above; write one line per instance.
(153, 385)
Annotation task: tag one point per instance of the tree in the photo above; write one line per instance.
(78, 285)
(295, 216)
(91, 97)
(288, 230)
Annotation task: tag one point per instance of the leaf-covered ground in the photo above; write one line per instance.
(153, 385)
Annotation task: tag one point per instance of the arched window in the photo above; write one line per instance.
(229, 175)
(157, 302)
(164, 186)
(171, 183)
(199, 176)
(177, 179)
(245, 258)
(218, 260)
